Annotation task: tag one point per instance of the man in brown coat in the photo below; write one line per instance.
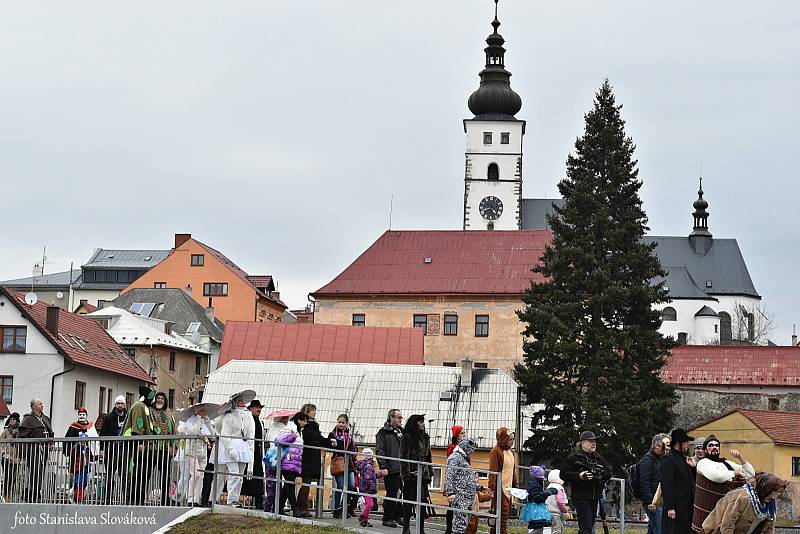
(750, 509)
(502, 460)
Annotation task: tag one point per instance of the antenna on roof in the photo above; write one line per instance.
(391, 209)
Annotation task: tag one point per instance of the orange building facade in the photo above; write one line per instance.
(214, 281)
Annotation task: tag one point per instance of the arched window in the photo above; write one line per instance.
(669, 314)
(493, 173)
(724, 327)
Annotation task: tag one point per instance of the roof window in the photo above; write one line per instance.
(142, 308)
(428, 260)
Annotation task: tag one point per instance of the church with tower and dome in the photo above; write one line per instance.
(463, 287)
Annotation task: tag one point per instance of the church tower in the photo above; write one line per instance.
(493, 176)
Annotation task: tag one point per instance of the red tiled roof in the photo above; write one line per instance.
(303, 316)
(4, 411)
(238, 271)
(88, 307)
(321, 343)
(781, 427)
(262, 281)
(460, 262)
(737, 365)
(81, 339)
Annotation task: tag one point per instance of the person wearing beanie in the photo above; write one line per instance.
(8, 453)
(111, 451)
(81, 453)
(368, 483)
(416, 447)
(715, 477)
(457, 434)
(537, 494)
(699, 453)
(556, 502)
(749, 509)
(502, 460)
(460, 484)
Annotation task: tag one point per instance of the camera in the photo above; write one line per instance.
(598, 472)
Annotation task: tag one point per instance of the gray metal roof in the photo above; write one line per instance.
(688, 272)
(61, 279)
(127, 259)
(176, 306)
(534, 212)
(681, 284)
(367, 392)
(723, 265)
(706, 311)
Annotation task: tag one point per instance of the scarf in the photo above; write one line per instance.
(397, 431)
(762, 512)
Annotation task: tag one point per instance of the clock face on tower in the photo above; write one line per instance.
(490, 208)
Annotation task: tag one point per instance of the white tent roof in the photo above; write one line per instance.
(367, 391)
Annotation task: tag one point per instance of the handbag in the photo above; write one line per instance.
(536, 513)
(337, 466)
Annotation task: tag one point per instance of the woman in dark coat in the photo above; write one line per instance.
(415, 446)
(677, 486)
(312, 460)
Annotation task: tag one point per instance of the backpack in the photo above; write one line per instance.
(632, 481)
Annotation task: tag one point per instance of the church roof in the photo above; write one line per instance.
(443, 262)
(688, 272)
(720, 271)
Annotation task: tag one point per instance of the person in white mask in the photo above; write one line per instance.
(235, 445)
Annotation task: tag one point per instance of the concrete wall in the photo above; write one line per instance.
(501, 349)
(181, 378)
(697, 406)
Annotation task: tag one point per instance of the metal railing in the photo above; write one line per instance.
(142, 470)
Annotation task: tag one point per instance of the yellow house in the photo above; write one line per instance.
(769, 440)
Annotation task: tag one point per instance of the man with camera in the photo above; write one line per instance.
(587, 473)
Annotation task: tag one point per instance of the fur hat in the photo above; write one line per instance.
(467, 445)
(503, 436)
(120, 398)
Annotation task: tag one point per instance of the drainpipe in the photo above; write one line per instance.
(53, 384)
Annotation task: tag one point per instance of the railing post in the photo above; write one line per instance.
(499, 500)
(319, 493)
(420, 519)
(214, 481)
(621, 506)
(278, 486)
(345, 486)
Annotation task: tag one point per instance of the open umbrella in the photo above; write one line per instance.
(212, 411)
(282, 412)
(247, 395)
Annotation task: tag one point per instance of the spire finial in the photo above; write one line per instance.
(495, 22)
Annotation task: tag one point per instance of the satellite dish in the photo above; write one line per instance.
(31, 298)
(59, 295)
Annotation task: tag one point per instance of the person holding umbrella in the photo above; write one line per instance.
(235, 443)
(197, 421)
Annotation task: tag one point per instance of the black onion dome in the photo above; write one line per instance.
(494, 99)
(700, 204)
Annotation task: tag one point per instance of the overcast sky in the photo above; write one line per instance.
(277, 131)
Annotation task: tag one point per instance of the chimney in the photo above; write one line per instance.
(210, 313)
(466, 373)
(52, 319)
(275, 294)
(180, 239)
(188, 289)
(794, 336)
(168, 328)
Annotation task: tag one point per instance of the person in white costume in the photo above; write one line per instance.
(195, 450)
(236, 430)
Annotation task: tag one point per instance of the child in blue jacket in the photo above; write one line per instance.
(537, 494)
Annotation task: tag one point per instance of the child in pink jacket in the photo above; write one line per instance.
(557, 504)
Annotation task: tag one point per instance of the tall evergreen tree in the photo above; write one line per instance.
(593, 353)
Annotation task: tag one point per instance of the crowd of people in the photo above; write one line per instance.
(683, 490)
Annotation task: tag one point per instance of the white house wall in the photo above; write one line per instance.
(32, 370)
(702, 330)
(63, 409)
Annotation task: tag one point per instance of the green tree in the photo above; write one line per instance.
(593, 352)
